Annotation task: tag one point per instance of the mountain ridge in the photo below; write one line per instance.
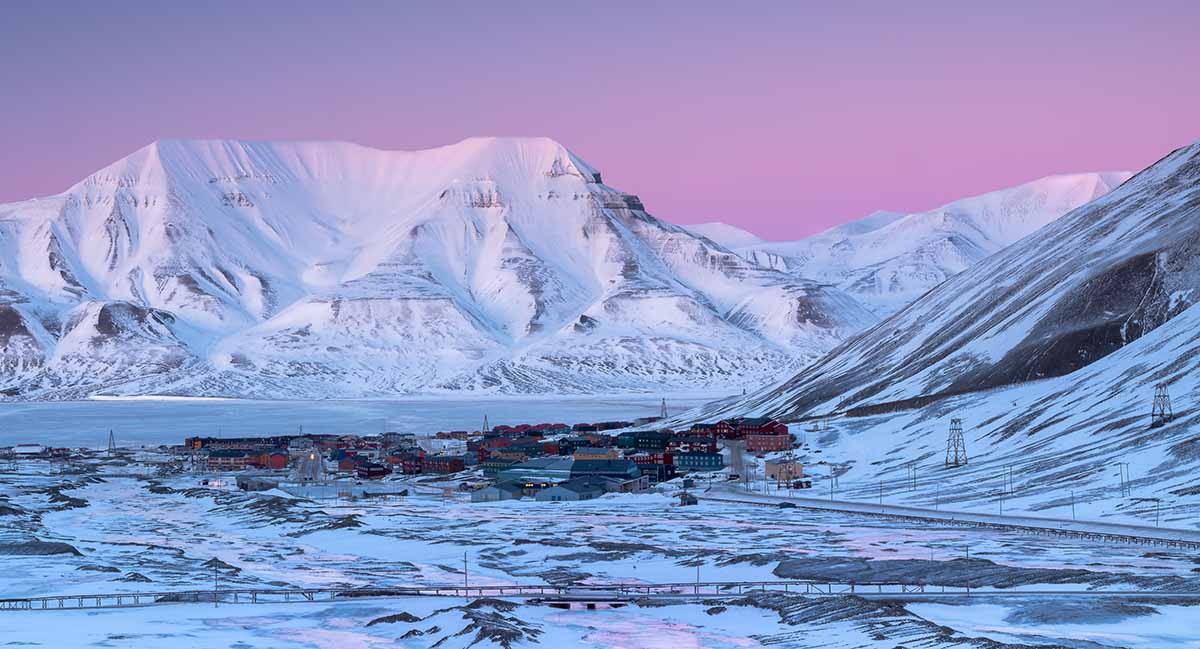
(493, 264)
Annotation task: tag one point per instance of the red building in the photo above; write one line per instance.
(371, 471)
(760, 426)
(651, 458)
(275, 460)
(766, 443)
(411, 464)
(720, 430)
(442, 464)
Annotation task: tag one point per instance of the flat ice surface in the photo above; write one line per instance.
(168, 421)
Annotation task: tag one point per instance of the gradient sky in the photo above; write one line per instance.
(784, 118)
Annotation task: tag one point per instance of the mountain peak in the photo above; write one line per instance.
(212, 160)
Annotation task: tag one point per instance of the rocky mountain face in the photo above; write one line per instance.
(333, 270)
(888, 259)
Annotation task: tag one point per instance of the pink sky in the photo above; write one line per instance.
(783, 118)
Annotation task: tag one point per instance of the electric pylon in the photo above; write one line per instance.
(956, 446)
(1160, 412)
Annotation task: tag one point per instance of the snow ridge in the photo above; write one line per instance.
(887, 259)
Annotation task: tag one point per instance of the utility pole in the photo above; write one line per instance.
(881, 495)
(663, 414)
(466, 582)
(937, 496)
(1072, 505)
(112, 443)
(1123, 473)
(956, 446)
(215, 577)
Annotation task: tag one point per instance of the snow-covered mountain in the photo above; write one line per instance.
(331, 269)
(730, 236)
(888, 259)
(1049, 351)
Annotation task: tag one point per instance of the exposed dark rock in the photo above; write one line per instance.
(37, 548)
(403, 616)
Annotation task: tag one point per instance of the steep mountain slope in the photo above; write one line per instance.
(1072, 293)
(331, 269)
(887, 259)
(1049, 352)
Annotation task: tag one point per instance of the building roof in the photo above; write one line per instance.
(586, 484)
(510, 486)
(550, 468)
(604, 467)
(599, 450)
(755, 421)
(547, 463)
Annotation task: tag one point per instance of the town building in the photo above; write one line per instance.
(587, 488)
(371, 471)
(227, 459)
(747, 426)
(766, 443)
(625, 471)
(595, 453)
(276, 460)
(692, 444)
(700, 461)
(650, 440)
(443, 464)
(719, 430)
(495, 464)
(784, 470)
(29, 450)
(497, 492)
(542, 469)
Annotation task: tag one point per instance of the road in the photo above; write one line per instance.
(666, 591)
(1173, 537)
